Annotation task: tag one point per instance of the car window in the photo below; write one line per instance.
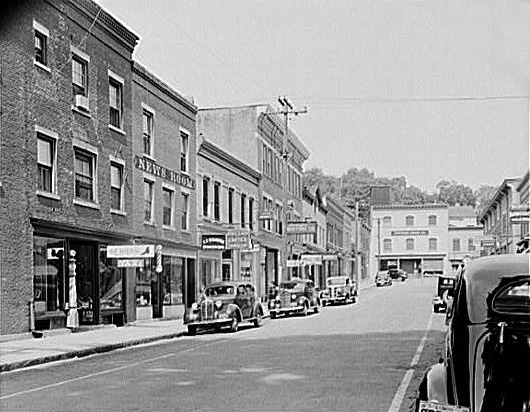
(513, 298)
(299, 287)
(219, 290)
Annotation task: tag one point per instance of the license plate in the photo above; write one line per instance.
(440, 407)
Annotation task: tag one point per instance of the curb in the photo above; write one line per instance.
(6, 367)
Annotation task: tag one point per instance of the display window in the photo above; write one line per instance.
(172, 280)
(110, 282)
(144, 275)
(49, 274)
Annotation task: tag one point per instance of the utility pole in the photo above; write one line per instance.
(287, 109)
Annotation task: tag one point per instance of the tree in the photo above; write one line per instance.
(483, 195)
(454, 193)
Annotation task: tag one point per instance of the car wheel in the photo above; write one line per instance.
(259, 319)
(234, 325)
(273, 315)
(192, 330)
(315, 309)
(304, 311)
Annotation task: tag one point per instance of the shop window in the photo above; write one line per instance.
(144, 276)
(85, 175)
(185, 211)
(148, 200)
(49, 286)
(167, 207)
(147, 119)
(115, 102)
(110, 282)
(172, 281)
(116, 186)
(46, 159)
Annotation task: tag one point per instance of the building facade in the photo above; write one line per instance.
(227, 218)
(411, 237)
(334, 259)
(164, 198)
(464, 236)
(65, 136)
(521, 215)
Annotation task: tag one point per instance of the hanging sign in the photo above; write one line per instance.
(131, 251)
(213, 242)
(238, 239)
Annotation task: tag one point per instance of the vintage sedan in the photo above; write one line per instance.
(294, 296)
(487, 354)
(224, 304)
(383, 279)
(339, 289)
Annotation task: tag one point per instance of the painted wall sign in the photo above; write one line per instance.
(238, 239)
(520, 214)
(213, 242)
(410, 233)
(312, 259)
(131, 251)
(301, 228)
(149, 166)
(329, 257)
(130, 263)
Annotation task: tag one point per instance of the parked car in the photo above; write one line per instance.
(444, 291)
(224, 304)
(383, 279)
(339, 289)
(487, 354)
(396, 274)
(295, 296)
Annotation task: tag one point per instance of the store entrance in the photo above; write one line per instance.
(86, 260)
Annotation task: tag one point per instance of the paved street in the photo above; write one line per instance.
(346, 358)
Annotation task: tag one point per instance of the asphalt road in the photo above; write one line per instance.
(364, 357)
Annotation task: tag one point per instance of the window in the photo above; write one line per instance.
(387, 221)
(116, 186)
(432, 220)
(279, 219)
(251, 213)
(41, 48)
(85, 165)
(230, 206)
(387, 245)
(216, 204)
(49, 267)
(45, 163)
(148, 200)
(185, 213)
(409, 221)
(184, 147)
(148, 132)
(205, 196)
(410, 244)
(167, 206)
(456, 245)
(79, 76)
(115, 103)
(243, 216)
(471, 244)
(433, 244)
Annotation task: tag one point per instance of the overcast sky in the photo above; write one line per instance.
(431, 90)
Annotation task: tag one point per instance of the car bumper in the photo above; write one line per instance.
(212, 322)
(335, 300)
(291, 309)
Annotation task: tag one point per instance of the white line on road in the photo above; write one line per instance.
(105, 372)
(402, 389)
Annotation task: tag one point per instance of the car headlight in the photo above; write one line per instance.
(194, 306)
(218, 304)
(293, 296)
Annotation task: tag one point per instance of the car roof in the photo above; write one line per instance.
(483, 275)
(226, 283)
(296, 280)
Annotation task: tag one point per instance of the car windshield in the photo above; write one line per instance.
(292, 286)
(219, 290)
(336, 281)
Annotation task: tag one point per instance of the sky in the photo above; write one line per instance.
(429, 90)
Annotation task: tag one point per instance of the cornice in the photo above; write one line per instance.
(410, 207)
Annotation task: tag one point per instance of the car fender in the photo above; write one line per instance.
(257, 307)
(433, 387)
(233, 308)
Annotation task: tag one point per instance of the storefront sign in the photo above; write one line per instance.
(131, 251)
(266, 216)
(291, 263)
(312, 259)
(130, 263)
(410, 233)
(238, 239)
(149, 166)
(301, 228)
(487, 242)
(213, 242)
(329, 257)
(520, 214)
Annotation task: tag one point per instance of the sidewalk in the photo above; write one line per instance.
(20, 351)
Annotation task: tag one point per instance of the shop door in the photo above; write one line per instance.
(87, 273)
(189, 286)
(156, 294)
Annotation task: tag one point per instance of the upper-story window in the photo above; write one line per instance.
(432, 220)
(242, 208)
(80, 63)
(230, 206)
(279, 219)
(148, 200)
(148, 132)
(167, 206)
(216, 201)
(409, 221)
(116, 186)
(41, 44)
(433, 244)
(410, 244)
(251, 213)
(184, 150)
(387, 221)
(85, 175)
(205, 187)
(387, 245)
(456, 245)
(471, 244)
(46, 162)
(185, 211)
(115, 101)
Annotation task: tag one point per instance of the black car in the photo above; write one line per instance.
(295, 296)
(396, 274)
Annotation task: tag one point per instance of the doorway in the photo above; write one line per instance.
(86, 281)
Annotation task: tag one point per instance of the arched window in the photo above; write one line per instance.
(409, 221)
(432, 220)
(410, 244)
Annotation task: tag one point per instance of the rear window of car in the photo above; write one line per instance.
(219, 290)
(292, 286)
(513, 298)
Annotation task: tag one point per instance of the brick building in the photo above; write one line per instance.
(164, 198)
(66, 142)
(464, 235)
